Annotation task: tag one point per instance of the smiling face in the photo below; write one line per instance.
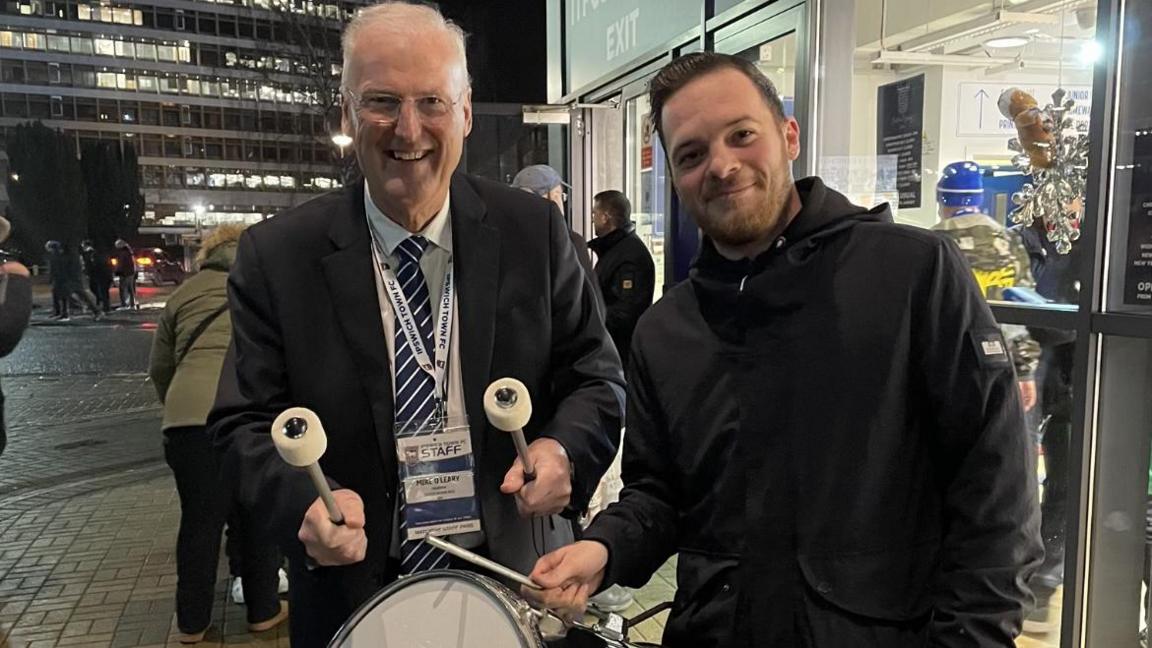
(731, 157)
(409, 163)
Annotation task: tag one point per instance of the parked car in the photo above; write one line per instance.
(154, 266)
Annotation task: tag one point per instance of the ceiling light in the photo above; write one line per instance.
(1006, 42)
(1091, 52)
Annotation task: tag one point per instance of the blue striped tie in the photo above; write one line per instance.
(417, 404)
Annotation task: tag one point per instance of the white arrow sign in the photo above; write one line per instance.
(978, 115)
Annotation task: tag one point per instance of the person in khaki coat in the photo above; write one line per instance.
(192, 336)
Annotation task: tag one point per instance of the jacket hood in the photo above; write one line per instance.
(824, 214)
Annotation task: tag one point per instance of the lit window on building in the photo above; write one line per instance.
(34, 41)
(105, 47)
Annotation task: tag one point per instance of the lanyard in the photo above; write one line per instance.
(406, 320)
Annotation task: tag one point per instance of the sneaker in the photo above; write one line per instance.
(237, 592)
(613, 599)
(280, 617)
(282, 587)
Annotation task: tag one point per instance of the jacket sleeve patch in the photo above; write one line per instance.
(990, 349)
(627, 281)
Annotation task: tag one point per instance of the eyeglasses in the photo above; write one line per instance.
(385, 108)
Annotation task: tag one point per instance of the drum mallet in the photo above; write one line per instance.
(300, 440)
(509, 407)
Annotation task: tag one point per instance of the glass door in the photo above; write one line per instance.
(647, 182)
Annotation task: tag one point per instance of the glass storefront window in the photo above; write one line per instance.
(80, 45)
(58, 43)
(1128, 287)
(926, 132)
(646, 182)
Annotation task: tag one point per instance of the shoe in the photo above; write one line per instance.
(237, 591)
(613, 599)
(1037, 621)
(282, 586)
(191, 637)
(276, 620)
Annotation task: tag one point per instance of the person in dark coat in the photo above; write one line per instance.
(624, 267)
(1056, 280)
(15, 309)
(98, 267)
(126, 273)
(67, 281)
(823, 422)
(545, 182)
(322, 319)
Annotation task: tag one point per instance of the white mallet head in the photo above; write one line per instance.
(507, 404)
(299, 436)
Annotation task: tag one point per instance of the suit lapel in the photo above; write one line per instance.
(476, 263)
(351, 282)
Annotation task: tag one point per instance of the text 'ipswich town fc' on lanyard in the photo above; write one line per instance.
(407, 320)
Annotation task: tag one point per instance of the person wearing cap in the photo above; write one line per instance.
(997, 257)
(333, 304)
(545, 182)
(15, 309)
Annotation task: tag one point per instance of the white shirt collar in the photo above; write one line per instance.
(390, 234)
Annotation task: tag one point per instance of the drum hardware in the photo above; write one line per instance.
(481, 561)
(300, 439)
(509, 408)
(610, 628)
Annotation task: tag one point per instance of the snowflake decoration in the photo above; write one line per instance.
(1056, 192)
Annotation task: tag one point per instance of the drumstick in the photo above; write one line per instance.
(300, 440)
(509, 407)
(480, 561)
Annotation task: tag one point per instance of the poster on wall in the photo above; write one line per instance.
(900, 132)
(1138, 268)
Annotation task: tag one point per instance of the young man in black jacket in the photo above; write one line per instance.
(823, 422)
(624, 267)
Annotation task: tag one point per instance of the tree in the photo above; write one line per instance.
(47, 192)
(115, 204)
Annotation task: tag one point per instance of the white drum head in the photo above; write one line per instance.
(437, 610)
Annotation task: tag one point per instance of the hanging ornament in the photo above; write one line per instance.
(1054, 151)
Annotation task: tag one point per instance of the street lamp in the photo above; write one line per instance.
(341, 140)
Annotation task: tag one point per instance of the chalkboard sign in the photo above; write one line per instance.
(900, 132)
(1138, 269)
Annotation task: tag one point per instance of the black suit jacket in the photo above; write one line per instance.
(307, 332)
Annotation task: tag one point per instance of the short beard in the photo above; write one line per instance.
(752, 223)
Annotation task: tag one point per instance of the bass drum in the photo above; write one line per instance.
(442, 609)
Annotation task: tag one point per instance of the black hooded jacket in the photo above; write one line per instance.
(829, 435)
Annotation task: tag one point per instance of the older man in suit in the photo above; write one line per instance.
(333, 305)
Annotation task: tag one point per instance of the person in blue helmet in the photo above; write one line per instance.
(996, 255)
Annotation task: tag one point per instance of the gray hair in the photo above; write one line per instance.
(401, 18)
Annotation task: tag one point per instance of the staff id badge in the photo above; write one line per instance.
(438, 472)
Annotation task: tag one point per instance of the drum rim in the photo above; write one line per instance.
(489, 585)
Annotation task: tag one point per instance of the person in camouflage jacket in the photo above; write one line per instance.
(997, 257)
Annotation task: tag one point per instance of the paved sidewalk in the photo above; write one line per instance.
(88, 520)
